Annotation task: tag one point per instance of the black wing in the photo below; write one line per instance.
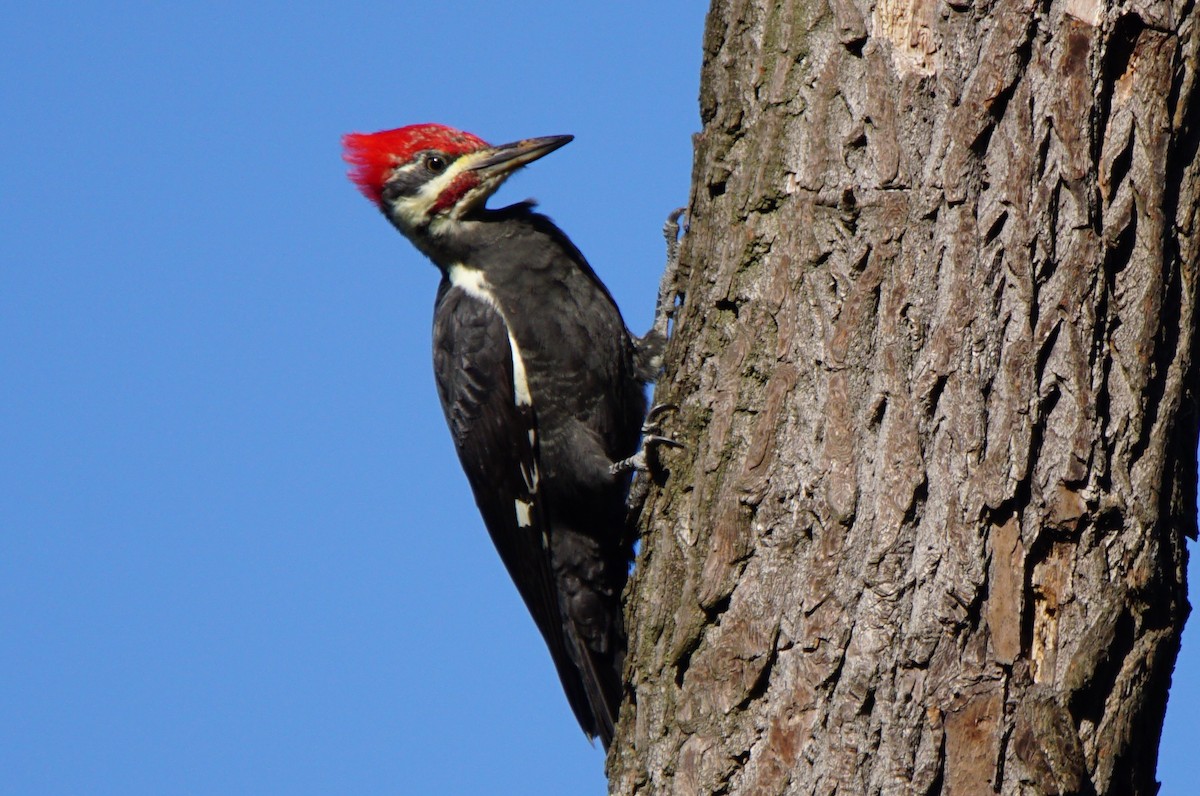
(497, 443)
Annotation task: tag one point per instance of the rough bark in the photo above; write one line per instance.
(936, 371)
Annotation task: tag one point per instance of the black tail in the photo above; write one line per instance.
(591, 575)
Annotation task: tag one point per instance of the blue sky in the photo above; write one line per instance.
(238, 555)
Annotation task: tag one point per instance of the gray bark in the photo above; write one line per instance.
(936, 371)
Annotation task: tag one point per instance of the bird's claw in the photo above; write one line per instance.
(671, 228)
(669, 296)
(669, 293)
(656, 440)
(653, 421)
(640, 461)
(651, 439)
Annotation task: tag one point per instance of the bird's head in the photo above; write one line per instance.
(425, 172)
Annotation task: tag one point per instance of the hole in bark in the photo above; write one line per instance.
(1117, 52)
(935, 394)
(1120, 165)
(996, 226)
(681, 666)
(1038, 550)
(1100, 349)
(980, 145)
(1121, 44)
(920, 495)
(1184, 148)
(999, 104)
(1165, 344)
(759, 688)
(1037, 436)
(868, 704)
(716, 189)
(935, 787)
(1118, 254)
(726, 305)
(1044, 147)
(1110, 520)
(1088, 702)
(878, 411)
(1043, 354)
(716, 609)
(1100, 357)
(1047, 405)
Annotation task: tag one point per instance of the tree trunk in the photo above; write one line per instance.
(936, 371)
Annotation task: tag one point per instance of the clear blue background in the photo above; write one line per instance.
(237, 555)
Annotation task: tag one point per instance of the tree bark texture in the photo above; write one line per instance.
(936, 371)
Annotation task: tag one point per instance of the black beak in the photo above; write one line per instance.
(501, 160)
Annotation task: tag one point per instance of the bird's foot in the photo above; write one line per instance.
(651, 346)
(670, 293)
(651, 441)
(653, 422)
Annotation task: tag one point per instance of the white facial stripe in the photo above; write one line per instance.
(431, 190)
(413, 210)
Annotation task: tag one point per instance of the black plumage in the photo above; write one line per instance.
(570, 563)
(542, 385)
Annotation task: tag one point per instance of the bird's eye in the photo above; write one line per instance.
(435, 163)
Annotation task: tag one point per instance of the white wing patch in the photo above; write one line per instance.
(520, 382)
(524, 512)
(530, 478)
(472, 282)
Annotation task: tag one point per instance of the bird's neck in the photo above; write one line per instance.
(450, 242)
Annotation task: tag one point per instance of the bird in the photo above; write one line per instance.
(541, 383)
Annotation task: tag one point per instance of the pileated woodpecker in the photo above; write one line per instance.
(541, 383)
